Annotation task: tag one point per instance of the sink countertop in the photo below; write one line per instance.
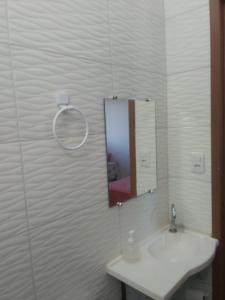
(158, 276)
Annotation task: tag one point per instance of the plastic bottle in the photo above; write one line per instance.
(132, 251)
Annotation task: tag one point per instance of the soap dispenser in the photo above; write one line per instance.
(132, 251)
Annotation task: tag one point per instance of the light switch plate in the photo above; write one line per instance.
(198, 162)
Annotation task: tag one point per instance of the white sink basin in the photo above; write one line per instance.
(180, 248)
(167, 260)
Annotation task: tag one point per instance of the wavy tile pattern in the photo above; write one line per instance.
(193, 201)
(56, 230)
(189, 109)
(176, 7)
(70, 253)
(16, 277)
(189, 99)
(8, 128)
(182, 142)
(188, 96)
(80, 184)
(188, 40)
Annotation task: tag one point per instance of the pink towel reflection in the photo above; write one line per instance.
(119, 190)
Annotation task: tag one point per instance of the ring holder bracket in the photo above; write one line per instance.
(63, 103)
(62, 99)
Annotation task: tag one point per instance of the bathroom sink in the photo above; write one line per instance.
(180, 248)
(167, 260)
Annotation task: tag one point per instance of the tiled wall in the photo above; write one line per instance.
(188, 96)
(56, 230)
(188, 67)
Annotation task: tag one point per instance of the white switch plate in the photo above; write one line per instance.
(145, 160)
(198, 162)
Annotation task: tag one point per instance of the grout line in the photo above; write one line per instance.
(21, 153)
(190, 10)
(189, 127)
(63, 216)
(196, 180)
(187, 71)
(87, 59)
(50, 138)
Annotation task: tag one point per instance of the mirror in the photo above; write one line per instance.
(130, 148)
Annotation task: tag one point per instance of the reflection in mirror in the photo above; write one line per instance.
(131, 148)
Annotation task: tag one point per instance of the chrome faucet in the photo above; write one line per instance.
(173, 225)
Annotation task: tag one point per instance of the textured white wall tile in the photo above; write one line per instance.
(189, 99)
(38, 80)
(69, 254)
(138, 39)
(182, 142)
(81, 42)
(80, 184)
(4, 54)
(29, 57)
(188, 41)
(8, 129)
(4, 46)
(175, 7)
(156, 7)
(161, 113)
(11, 185)
(162, 206)
(162, 153)
(64, 15)
(15, 278)
(15, 265)
(138, 83)
(3, 22)
(2, 8)
(70, 28)
(193, 202)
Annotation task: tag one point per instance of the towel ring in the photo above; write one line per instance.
(69, 108)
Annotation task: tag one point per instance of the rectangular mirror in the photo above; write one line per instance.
(131, 148)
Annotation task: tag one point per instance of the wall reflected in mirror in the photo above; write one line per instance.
(130, 148)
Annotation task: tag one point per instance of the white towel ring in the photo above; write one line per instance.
(69, 108)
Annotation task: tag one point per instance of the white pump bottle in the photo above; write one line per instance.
(132, 251)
